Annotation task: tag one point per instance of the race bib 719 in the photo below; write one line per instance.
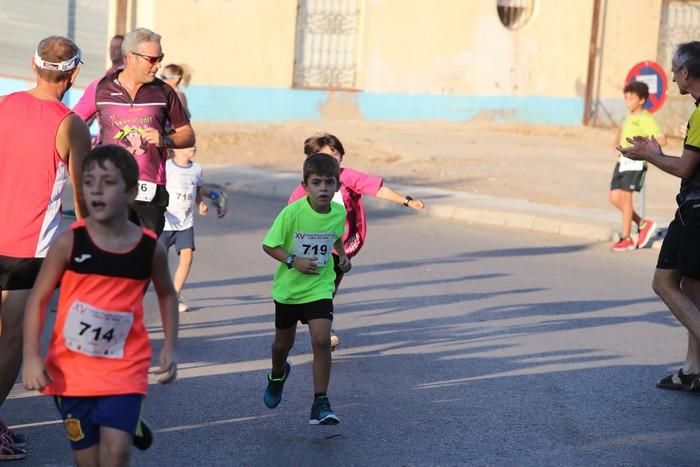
(318, 244)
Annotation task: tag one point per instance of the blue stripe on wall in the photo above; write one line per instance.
(8, 85)
(267, 105)
(221, 103)
(11, 85)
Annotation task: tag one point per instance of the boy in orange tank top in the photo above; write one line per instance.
(99, 354)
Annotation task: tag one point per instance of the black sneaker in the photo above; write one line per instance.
(275, 386)
(10, 452)
(322, 414)
(143, 438)
(16, 439)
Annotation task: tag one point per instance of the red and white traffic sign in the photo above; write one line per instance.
(654, 76)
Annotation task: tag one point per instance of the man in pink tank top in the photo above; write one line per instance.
(41, 147)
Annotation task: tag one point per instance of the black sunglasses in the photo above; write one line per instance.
(150, 59)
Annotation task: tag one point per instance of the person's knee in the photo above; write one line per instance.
(12, 318)
(12, 326)
(321, 342)
(115, 454)
(626, 199)
(664, 283)
(186, 256)
(282, 345)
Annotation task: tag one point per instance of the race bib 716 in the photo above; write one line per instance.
(147, 191)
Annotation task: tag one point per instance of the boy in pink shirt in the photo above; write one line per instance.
(353, 184)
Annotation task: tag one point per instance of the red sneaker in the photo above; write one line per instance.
(647, 229)
(626, 244)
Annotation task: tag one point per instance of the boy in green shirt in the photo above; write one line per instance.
(628, 175)
(302, 238)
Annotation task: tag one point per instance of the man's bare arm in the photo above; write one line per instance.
(72, 143)
(648, 149)
(183, 137)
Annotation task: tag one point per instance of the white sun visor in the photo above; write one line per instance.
(67, 65)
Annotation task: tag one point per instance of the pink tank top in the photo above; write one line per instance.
(32, 175)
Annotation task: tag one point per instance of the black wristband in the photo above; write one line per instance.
(406, 200)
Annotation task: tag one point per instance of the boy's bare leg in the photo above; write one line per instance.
(183, 269)
(11, 312)
(115, 447)
(628, 214)
(88, 457)
(283, 343)
(667, 285)
(614, 198)
(320, 330)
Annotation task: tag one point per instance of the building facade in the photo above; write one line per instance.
(523, 61)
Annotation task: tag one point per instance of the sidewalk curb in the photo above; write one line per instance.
(585, 223)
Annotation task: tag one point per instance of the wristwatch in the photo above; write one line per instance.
(406, 200)
(289, 260)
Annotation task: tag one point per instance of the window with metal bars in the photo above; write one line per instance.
(326, 44)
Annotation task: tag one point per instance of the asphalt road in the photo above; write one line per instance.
(461, 345)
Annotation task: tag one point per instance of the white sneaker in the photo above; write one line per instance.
(182, 307)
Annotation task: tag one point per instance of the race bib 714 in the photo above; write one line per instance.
(96, 333)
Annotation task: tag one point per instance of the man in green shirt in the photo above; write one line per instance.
(677, 275)
(302, 238)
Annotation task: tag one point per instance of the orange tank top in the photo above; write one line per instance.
(100, 345)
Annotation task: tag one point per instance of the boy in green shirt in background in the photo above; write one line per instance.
(628, 175)
(302, 238)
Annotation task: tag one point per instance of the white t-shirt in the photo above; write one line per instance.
(182, 184)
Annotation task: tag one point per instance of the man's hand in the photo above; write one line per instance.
(168, 366)
(642, 148)
(305, 265)
(35, 376)
(153, 136)
(344, 263)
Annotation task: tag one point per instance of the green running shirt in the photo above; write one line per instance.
(303, 232)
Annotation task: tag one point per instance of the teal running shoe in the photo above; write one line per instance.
(275, 386)
(322, 414)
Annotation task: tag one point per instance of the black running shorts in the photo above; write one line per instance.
(681, 247)
(627, 181)
(151, 214)
(18, 273)
(286, 316)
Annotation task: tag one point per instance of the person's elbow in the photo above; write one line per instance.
(190, 139)
(686, 170)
